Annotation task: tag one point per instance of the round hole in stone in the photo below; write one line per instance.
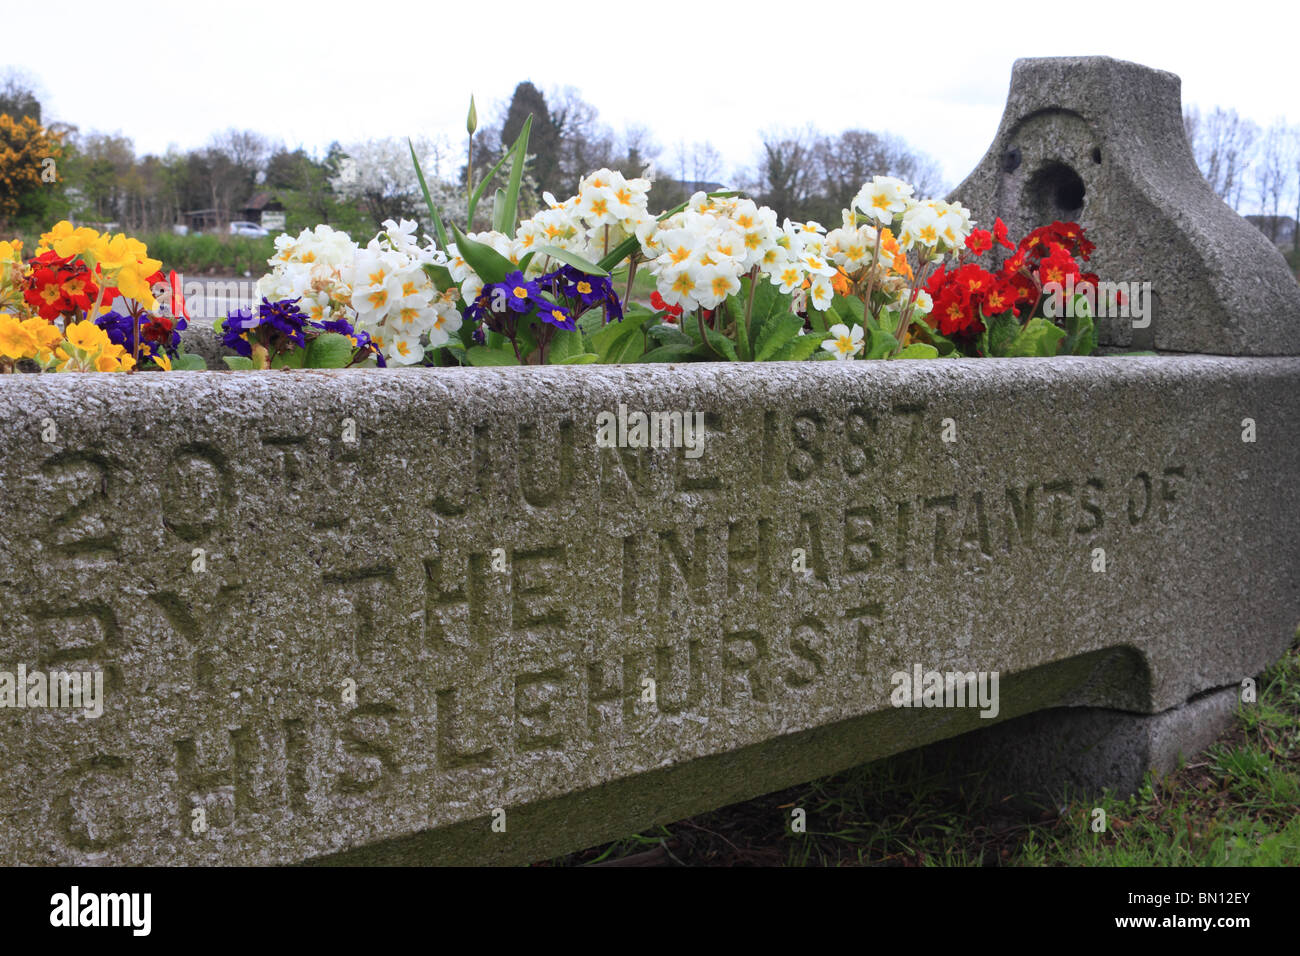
(1011, 160)
(1056, 192)
(1096, 155)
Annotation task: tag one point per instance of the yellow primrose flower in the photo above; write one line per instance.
(11, 251)
(67, 240)
(87, 336)
(46, 334)
(16, 342)
(126, 263)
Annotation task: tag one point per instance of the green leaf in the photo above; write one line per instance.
(188, 362)
(945, 345)
(511, 198)
(238, 363)
(438, 229)
(1080, 336)
(329, 350)
(918, 350)
(620, 252)
(1003, 331)
(882, 344)
(671, 353)
(720, 348)
(801, 347)
(777, 334)
(439, 275)
(668, 334)
(769, 302)
(482, 186)
(817, 319)
(454, 349)
(291, 359)
(620, 342)
(1040, 337)
(586, 358)
(481, 356)
(591, 321)
(218, 325)
(565, 345)
(573, 259)
(499, 211)
(850, 309)
(490, 265)
(743, 348)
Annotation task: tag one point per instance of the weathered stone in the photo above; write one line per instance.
(514, 679)
(1074, 752)
(1101, 141)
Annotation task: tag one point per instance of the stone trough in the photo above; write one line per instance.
(425, 616)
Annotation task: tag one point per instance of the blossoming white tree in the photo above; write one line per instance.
(378, 173)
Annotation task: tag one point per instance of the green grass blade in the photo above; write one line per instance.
(438, 229)
(511, 212)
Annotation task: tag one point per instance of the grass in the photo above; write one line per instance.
(197, 253)
(205, 253)
(1234, 805)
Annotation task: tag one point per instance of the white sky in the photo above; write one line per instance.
(308, 73)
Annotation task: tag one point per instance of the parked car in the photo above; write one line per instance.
(243, 228)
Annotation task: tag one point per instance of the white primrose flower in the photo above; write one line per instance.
(883, 199)
(844, 344)
(954, 223)
(921, 227)
(821, 292)
(717, 282)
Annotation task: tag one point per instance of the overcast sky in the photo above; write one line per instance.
(935, 74)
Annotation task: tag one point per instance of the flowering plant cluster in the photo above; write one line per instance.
(56, 307)
(896, 279)
(378, 298)
(997, 311)
(899, 277)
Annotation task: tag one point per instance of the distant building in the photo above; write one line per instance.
(691, 187)
(202, 220)
(1281, 229)
(265, 210)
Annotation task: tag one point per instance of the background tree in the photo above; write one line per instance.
(379, 176)
(18, 95)
(583, 143)
(543, 136)
(30, 178)
(1223, 145)
(1274, 171)
(787, 174)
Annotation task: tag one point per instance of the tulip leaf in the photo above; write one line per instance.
(490, 265)
(510, 202)
(573, 259)
(438, 229)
